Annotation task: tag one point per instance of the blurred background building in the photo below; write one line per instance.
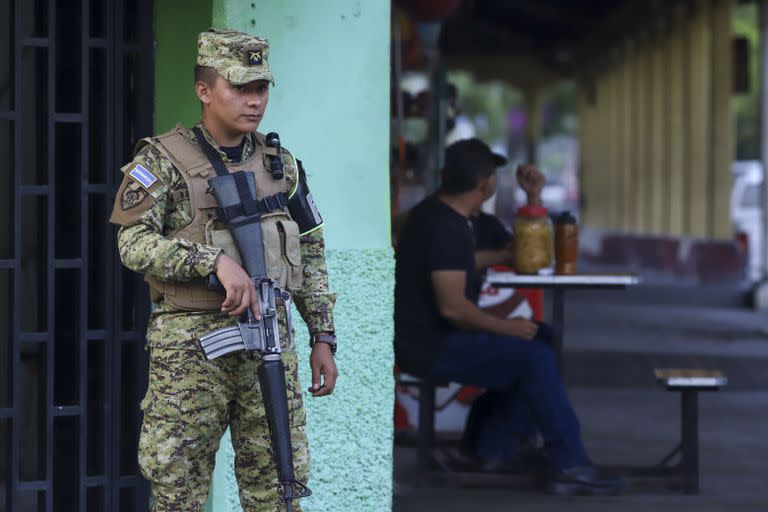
(644, 116)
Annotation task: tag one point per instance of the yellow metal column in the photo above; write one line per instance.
(699, 118)
(533, 99)
(622, 160)
(613, 151)
(677, 121)
(586, 151)
(658, 170)
(722, 121)
(581, 108)
(657, 143)
(633, 197)
(642, 139)
(628, 99)
(598, 179)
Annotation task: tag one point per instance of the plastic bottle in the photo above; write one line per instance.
(566, 244)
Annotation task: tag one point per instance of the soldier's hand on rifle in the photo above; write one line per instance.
(323, 365)
(241, 293)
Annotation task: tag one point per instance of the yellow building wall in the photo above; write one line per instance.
(657, 133)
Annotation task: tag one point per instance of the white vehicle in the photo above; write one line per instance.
(747, 212)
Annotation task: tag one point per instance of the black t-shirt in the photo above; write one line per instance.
(490, 232)
(435, 237)
(234, 153)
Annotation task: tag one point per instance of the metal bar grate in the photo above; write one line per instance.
(40, 42)
(12, 493)
(40, 485)
(33, 337)
(70, 118)
(70, 404)
(34, 190)
(51, 279)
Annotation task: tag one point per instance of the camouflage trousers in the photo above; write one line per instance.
(189, 404)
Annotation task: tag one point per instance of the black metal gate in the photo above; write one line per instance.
(75, 93)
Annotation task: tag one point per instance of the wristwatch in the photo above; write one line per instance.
(322, 337)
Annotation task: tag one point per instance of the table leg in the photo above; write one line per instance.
(558, 324)
(690, 441)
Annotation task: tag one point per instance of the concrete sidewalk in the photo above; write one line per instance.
(613, 341)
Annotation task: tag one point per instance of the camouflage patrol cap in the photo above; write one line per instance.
(237, 57)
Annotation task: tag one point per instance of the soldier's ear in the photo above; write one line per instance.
(203, 91)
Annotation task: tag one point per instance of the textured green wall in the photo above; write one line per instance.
(177, 23)
(330, 106)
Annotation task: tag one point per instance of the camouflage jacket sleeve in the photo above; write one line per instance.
(147, 214)
(314, 301)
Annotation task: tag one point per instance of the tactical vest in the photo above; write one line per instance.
(280, 232)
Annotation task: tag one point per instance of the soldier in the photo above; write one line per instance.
(170, 232)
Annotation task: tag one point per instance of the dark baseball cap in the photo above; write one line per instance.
(470, 152)
(466, 163)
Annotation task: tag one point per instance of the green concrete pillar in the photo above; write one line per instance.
(177, 24)
(330, 106)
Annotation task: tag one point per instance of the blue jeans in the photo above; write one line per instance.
(525, 394)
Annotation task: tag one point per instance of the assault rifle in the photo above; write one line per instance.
(235, 194)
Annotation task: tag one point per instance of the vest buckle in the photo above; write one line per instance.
(271, 203)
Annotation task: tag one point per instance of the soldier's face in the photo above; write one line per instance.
(236, 108)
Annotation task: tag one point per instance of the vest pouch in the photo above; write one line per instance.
(222, 238)
(276, 266)
(291, 252)
(282, 249)
(155, 295)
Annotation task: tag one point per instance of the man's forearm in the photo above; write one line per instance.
(485, 259)
(466, 315)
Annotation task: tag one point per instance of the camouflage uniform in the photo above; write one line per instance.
(190, 401)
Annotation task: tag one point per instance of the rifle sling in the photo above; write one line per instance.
(263, 206)
(249, 204)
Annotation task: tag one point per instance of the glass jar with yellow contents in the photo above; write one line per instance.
(533, 239)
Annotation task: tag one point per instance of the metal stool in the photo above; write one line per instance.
(689, 382)
(426, 432)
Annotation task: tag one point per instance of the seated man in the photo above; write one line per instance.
(441, 333)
